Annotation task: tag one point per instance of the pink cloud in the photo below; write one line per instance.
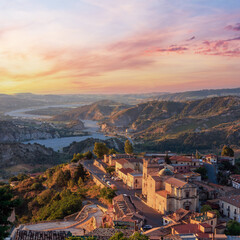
(228, 47)
(235, 27)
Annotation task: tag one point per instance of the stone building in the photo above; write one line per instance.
(134, 180)
(230, 206)
(166, 193)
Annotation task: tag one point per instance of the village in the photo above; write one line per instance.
(161, 195)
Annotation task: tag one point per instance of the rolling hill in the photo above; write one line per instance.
(97, 111)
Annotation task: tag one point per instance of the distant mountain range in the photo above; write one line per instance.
(193, 95)
(25, 100)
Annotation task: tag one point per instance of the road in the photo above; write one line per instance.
(152, 217)
(211, 172)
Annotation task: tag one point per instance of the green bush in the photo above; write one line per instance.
(107, 193)
(68, 203)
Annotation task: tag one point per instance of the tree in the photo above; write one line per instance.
(112, 151)
(110, 170)
(227, 151)
(118, 236)
(128, 147)
(197, 155)
(206, 208)
(203, 172)
(80, 173)
(138, 236)
(88, 155)
(7, 204)
(107, 193)
(167, 159)
(100, 149)
(233, 228)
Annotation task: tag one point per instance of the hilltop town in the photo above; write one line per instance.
(120, 195)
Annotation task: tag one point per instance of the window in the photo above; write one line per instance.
(187, 194)
(211, 222)
(222, 205)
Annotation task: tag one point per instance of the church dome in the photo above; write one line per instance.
(165, 172)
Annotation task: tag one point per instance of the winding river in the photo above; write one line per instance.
(58, 143)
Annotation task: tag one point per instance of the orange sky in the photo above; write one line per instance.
(91, 46)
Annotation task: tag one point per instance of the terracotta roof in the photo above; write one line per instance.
(186, 228)
(156, 178)
(163, 193)
(232, 199)
(126, 170)
(158, 231)
(175, 182)
(108, 232)
(205, 225)
(211, 155)
(122, 161)
(181, 159)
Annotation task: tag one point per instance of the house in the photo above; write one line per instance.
(176, 217)
(123, 174)
(230, 206)
(122, 163)
(134, 180)
(186, 160)
(35, 235)
(180, 168)
(209, 218)
(125, 210)
(166, 193)
(158, 233)
(111, 159)
(211, 158)
(235, 179)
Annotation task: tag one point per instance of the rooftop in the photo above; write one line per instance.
(163, 193)
(122, 161)
(181, 159)
(186, 228)
(108, 232)
(175, 182)
(205, 225)
(232, 199)
(136, 174)
(126, 170)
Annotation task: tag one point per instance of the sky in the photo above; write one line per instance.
(126, 46)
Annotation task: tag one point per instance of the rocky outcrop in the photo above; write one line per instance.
(20, 131)
(88, 145)
(12, 154)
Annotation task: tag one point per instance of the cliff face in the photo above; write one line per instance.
(19, 131)
(10, 132)
(17, 153)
